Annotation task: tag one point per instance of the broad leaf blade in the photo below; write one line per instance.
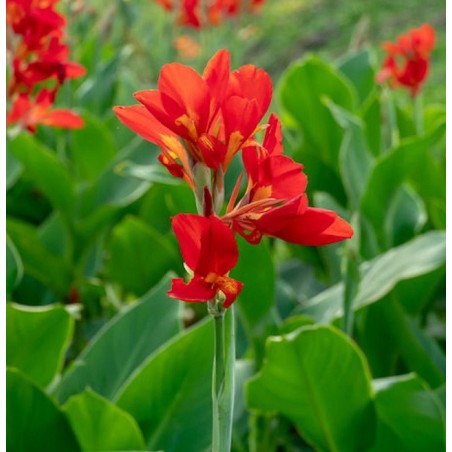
(122, 345)
(304, 377)
(37, 339)
(34, 422)
(101, 425)
(170, 394)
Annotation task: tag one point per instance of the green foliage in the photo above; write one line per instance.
(410, 416)
(100, 425)
(44, 427)
(307, 377)
(37, 339)
(122, 345)
(167, 394)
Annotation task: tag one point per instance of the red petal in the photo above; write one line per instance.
(141, 121)
(252, 83)
(231, 289)
(65, 119)
(283, 175)
(219, 251)
(185, 86)
(273, 136)
(315, 227)
(195, 291)
(216, 74)
(189, 230)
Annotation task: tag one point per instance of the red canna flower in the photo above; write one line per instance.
(275, 204)
(209, 250)
(30, 113)
(214, 114)
(198, 13)
(38, 55)
(407, 63)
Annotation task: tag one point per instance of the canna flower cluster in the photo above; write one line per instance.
(408, 59)
(201, 123)
(39, 64)
(198, 13)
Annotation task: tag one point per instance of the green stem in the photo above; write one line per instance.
(223, 380)
(392, 119)
(418, 108)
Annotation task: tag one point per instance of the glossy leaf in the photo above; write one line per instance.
(34, 422)
(410, 416)
(139, 255)
(306, 377)
(380, 275)
(122, 345)
(46, 171)
(101, 425)
(37, 339)
(169, 394)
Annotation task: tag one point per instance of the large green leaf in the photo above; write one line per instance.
(46, 171)
(37, 339)
(14, 267)
(93, 148)
(302, 90)
(51, 270)
(370, 113)
(170, 394)
(100, 425)
(411, 161)
(139, 255)
(122, 345)
(33, 421)
(380, 275)
(319, 379)
(410, 416)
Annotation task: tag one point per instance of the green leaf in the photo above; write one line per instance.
(151, 173)
(37, 339)
(355, 159)
(411, 161)
(358, 69)
(13, 170)
(139, 256)
(305, 105)
(410, 416)
(304, 377)
(14, 267)
(380, 275)
(122, 345)
(100, 425)
(405, 217)
(167, 201)
(256, 270)
(170, 394)
(371, 114)
(47, 268)
(46, 171)
(93, 148)
(34, 422)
